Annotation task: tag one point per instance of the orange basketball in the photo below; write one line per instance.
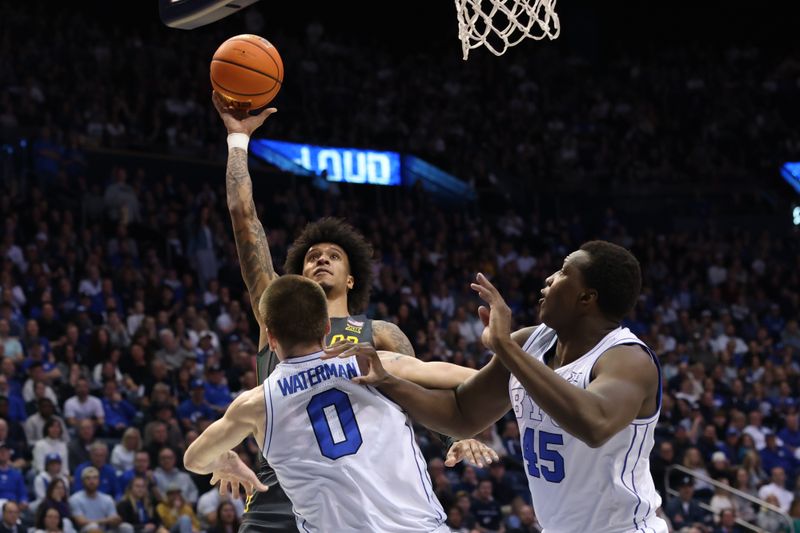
(248, 70)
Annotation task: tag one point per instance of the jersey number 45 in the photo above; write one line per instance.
(536, 467)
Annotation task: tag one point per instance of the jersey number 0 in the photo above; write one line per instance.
(334, 424)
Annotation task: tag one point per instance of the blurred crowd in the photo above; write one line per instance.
(643, 116)
(125, 328)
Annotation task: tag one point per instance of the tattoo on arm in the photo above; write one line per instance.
(390, 337)
(251, 240)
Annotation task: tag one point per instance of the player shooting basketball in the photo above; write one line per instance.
(336, 256)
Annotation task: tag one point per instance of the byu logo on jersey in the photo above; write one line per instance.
(526, 409)
(574, 377)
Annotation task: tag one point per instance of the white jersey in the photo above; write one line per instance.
(344, 453)
(577, 488)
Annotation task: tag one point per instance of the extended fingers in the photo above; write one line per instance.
(263, 114)
(338, 349)
(483, 451)
(452, 457)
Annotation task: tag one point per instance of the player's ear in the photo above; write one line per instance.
(272, 341)
(588, 296)
(351, 281)
(327, 327)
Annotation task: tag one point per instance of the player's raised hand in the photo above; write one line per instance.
(471, 450)
(236, 119)
(369, 362)
(497, 317)
(232, 474)
(342, 349)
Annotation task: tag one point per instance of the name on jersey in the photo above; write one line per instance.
(353, 329)
(314, 376)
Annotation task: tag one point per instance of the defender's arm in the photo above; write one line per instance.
(245, 416)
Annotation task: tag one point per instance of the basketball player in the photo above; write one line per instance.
(336, 256)
(344, 454)
(586, 393)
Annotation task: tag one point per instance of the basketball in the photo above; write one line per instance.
(248, 70)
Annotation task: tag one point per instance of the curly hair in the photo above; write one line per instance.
(358, 250)
(615, 273)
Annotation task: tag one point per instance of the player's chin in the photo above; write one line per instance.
(326, 285)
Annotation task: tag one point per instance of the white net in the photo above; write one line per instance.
(500, 24)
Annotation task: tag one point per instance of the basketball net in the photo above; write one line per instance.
(500, 24)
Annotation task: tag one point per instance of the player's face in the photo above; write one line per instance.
(327, 264)
(561, 296)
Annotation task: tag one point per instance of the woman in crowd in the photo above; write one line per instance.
(51, 521)
(50, 444)
(136, 508)
(56, 498)
(123, 453)
(227, 521)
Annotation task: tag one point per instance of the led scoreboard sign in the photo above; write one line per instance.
(351, 165)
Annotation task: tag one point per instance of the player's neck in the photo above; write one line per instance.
(299, 350)
(337, 306)
(576, 340)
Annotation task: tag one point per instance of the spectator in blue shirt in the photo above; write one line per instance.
(217, 392)
(774, 454)
(119, 412)
(486, 509)
(790, 435)
(37, 357)
(98, 458)
(12, 484)
(12, 348)
(31, 337)
(196, 407)
(141, 468)
(91, 509)
(16, 405)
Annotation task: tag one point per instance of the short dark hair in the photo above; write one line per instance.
(358, 250)
(615, 274)
(295, 310)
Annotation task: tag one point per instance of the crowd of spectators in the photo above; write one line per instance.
(641, 115)
(117, 350)
(125, 328)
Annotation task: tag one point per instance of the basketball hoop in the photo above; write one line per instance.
(500, 24)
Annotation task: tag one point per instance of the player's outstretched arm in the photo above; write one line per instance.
(461, 412)
(625, 377)
(436, 374)
(211, 451)
(430, 374)
(255, 260)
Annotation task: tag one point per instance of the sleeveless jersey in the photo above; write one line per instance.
(272, 511)
(345, 454)
(577, 488)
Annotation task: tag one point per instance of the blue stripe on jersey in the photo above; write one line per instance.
(428, 490)
(622, 474)
(633, 479)
(301, 359)
(270, 425)
(304, 525)
(534, 334)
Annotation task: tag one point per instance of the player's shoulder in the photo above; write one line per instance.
(248, 403)
(388, 336)
(633, 360)
(527, 334)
